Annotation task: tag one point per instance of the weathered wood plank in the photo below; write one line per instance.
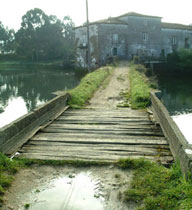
(89, 136)
(100, 122)
(64, 144)
(103, 126)
(101, 118)
(83, 149)
(87, 158)
(98, 132)
(104, 141)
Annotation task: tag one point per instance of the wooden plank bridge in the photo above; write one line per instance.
(99, 135)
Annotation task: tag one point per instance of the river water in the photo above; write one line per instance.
(22, 89)
(177, 97)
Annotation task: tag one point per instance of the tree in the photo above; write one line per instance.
(45, 37)
(6, 39)
(27, 36)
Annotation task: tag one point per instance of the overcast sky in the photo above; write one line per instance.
(178, 11)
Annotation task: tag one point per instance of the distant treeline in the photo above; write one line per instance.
(40, 38)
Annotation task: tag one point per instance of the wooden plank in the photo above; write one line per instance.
(102, 141)
(105, 119)
(107, 111)
(164, 160)
(94, 149)
(90, 136)
(103, 126)
(106, 132)
(89, 122)
(63, 156)
(64, 144)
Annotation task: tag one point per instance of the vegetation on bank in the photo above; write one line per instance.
(178, 63)
(155, 187)
(8, 168)
(140, 85)
(88, 85)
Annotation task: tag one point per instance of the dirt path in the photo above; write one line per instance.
(110, 96)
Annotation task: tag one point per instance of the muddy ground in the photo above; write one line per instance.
(38, 188)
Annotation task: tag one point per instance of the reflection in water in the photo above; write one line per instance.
(78, 193)
(184, 122)
(177, 97)
(23, 90)
(16, 107)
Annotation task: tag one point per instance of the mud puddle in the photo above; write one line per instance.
(64, 188)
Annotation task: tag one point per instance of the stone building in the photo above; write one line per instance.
(130, 35)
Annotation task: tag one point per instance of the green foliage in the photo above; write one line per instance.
(139, 87)
(6, 39)
(89, 84)
(43, 37)
(157, 187)
(180, 61)
(7, 169)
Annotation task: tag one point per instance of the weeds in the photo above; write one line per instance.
(7, 169)
(89, 84)
(156, 187)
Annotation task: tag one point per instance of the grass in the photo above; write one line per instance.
(139, 95)
(88, 85)
(156, 187)
(7, 169)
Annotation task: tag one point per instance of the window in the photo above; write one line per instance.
(145, 37)
(114, 51)
(174, 40)
(145, 22)
(187, 45)
(115, 38)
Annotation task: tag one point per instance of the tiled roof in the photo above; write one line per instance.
(176, 26)
(106, 21)
(137, 15)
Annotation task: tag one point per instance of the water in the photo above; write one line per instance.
(22, 90)
(177, 97)
(77, 192)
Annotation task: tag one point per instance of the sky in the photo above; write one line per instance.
(175, 11)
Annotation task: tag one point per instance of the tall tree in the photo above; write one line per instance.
(6, 39)
(44, 37)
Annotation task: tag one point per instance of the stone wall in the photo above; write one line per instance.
(111, 38)
(180, 36)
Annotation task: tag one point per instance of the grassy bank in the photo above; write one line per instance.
(88, 85)
(156, 187)
(140, 85)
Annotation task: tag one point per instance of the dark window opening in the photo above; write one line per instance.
(114, 51)
(187, 45)
(163, 52)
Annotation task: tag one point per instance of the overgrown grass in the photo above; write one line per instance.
(139, 95)
(88, 85)
(156, 187)
(7, 169)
